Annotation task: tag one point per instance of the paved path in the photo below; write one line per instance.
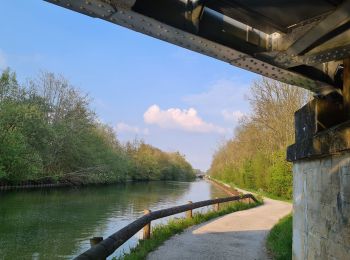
(239, 235)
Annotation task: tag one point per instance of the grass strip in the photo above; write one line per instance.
(279, 240)
(259, 193)
(162, 232)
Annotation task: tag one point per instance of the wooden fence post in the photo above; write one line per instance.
(217, 206)
(147, 228)
(95, 240)
(189, 212)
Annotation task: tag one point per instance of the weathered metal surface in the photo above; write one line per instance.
(253, 35)
(109, 245)
(346, 87)
(331, 141)
(322, 126)
(322, 29)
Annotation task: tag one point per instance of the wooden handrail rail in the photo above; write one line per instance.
(106, 247)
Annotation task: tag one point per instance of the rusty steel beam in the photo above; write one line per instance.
(121, 12)
(324, 27)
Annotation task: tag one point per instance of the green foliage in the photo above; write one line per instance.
(279, 240)
(161, 233)
(281, 179)
(48, 132)
(255, 158)
(150, 163)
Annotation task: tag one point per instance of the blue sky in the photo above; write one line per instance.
(171, 97)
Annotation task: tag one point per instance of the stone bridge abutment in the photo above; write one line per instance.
(321, 168)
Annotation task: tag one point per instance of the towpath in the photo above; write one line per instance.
(239, 235)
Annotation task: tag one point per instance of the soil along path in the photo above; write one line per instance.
(239, 235)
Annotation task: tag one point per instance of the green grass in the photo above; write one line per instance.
(258, 192)
(161, 233)
(279, 240)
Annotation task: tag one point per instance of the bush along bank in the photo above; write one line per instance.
(50, 135)
(255, 157)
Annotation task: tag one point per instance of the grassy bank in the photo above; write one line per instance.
(161, 233)
(279, 240)
(260, 193)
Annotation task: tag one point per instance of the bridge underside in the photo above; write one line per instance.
(299, 42)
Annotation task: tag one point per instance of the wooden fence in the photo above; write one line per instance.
(102, 248)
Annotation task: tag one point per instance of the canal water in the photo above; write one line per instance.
(57, 223)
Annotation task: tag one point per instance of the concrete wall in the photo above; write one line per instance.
(321, 222)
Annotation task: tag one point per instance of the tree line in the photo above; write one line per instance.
(49, 133)
(255, 158)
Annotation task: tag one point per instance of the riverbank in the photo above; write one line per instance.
(32, 186)
(71, 216)
(162, 233)
(50, 141)
(228, 189)
(27, 185)
(245, 190)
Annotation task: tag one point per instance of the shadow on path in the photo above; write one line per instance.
(239, 235)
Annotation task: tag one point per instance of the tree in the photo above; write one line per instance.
(48, 131)
(255, 157)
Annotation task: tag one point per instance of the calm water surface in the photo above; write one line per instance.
(57, 223)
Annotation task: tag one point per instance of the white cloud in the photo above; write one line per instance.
(232, 116)
(125, 128)
(222, 94)
(183, 119)
(3, 62)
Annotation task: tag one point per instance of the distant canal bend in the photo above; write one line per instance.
(57, 223)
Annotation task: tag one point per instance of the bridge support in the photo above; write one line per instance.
(321, 168)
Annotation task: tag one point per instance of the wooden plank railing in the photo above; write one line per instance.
(106, 247)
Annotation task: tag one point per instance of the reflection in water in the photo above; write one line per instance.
(57, 223)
